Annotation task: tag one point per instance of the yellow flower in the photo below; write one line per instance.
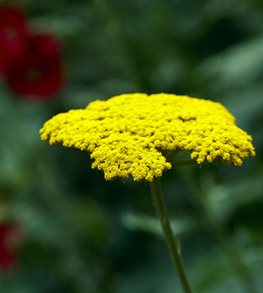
(127, 134)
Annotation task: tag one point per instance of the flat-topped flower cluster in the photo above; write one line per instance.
(127, 134)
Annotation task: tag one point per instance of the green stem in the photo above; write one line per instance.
(172, 245)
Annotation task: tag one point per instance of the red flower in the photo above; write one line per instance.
(13, 35)
(8, 233)
(38, 74)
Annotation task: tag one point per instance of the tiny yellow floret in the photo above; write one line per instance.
(126, 135)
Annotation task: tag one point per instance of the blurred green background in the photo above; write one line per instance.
(83, 234)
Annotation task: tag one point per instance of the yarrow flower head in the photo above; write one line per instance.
(128, 134)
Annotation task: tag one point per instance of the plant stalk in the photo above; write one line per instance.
(172, 243)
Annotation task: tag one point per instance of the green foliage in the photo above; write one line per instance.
(81, 234)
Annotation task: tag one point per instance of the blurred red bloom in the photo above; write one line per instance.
(8, 235)
(38, 74)
(13, 35)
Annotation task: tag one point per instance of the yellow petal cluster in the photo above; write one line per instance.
(127, 135)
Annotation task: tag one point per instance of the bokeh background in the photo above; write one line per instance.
(63, 228)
